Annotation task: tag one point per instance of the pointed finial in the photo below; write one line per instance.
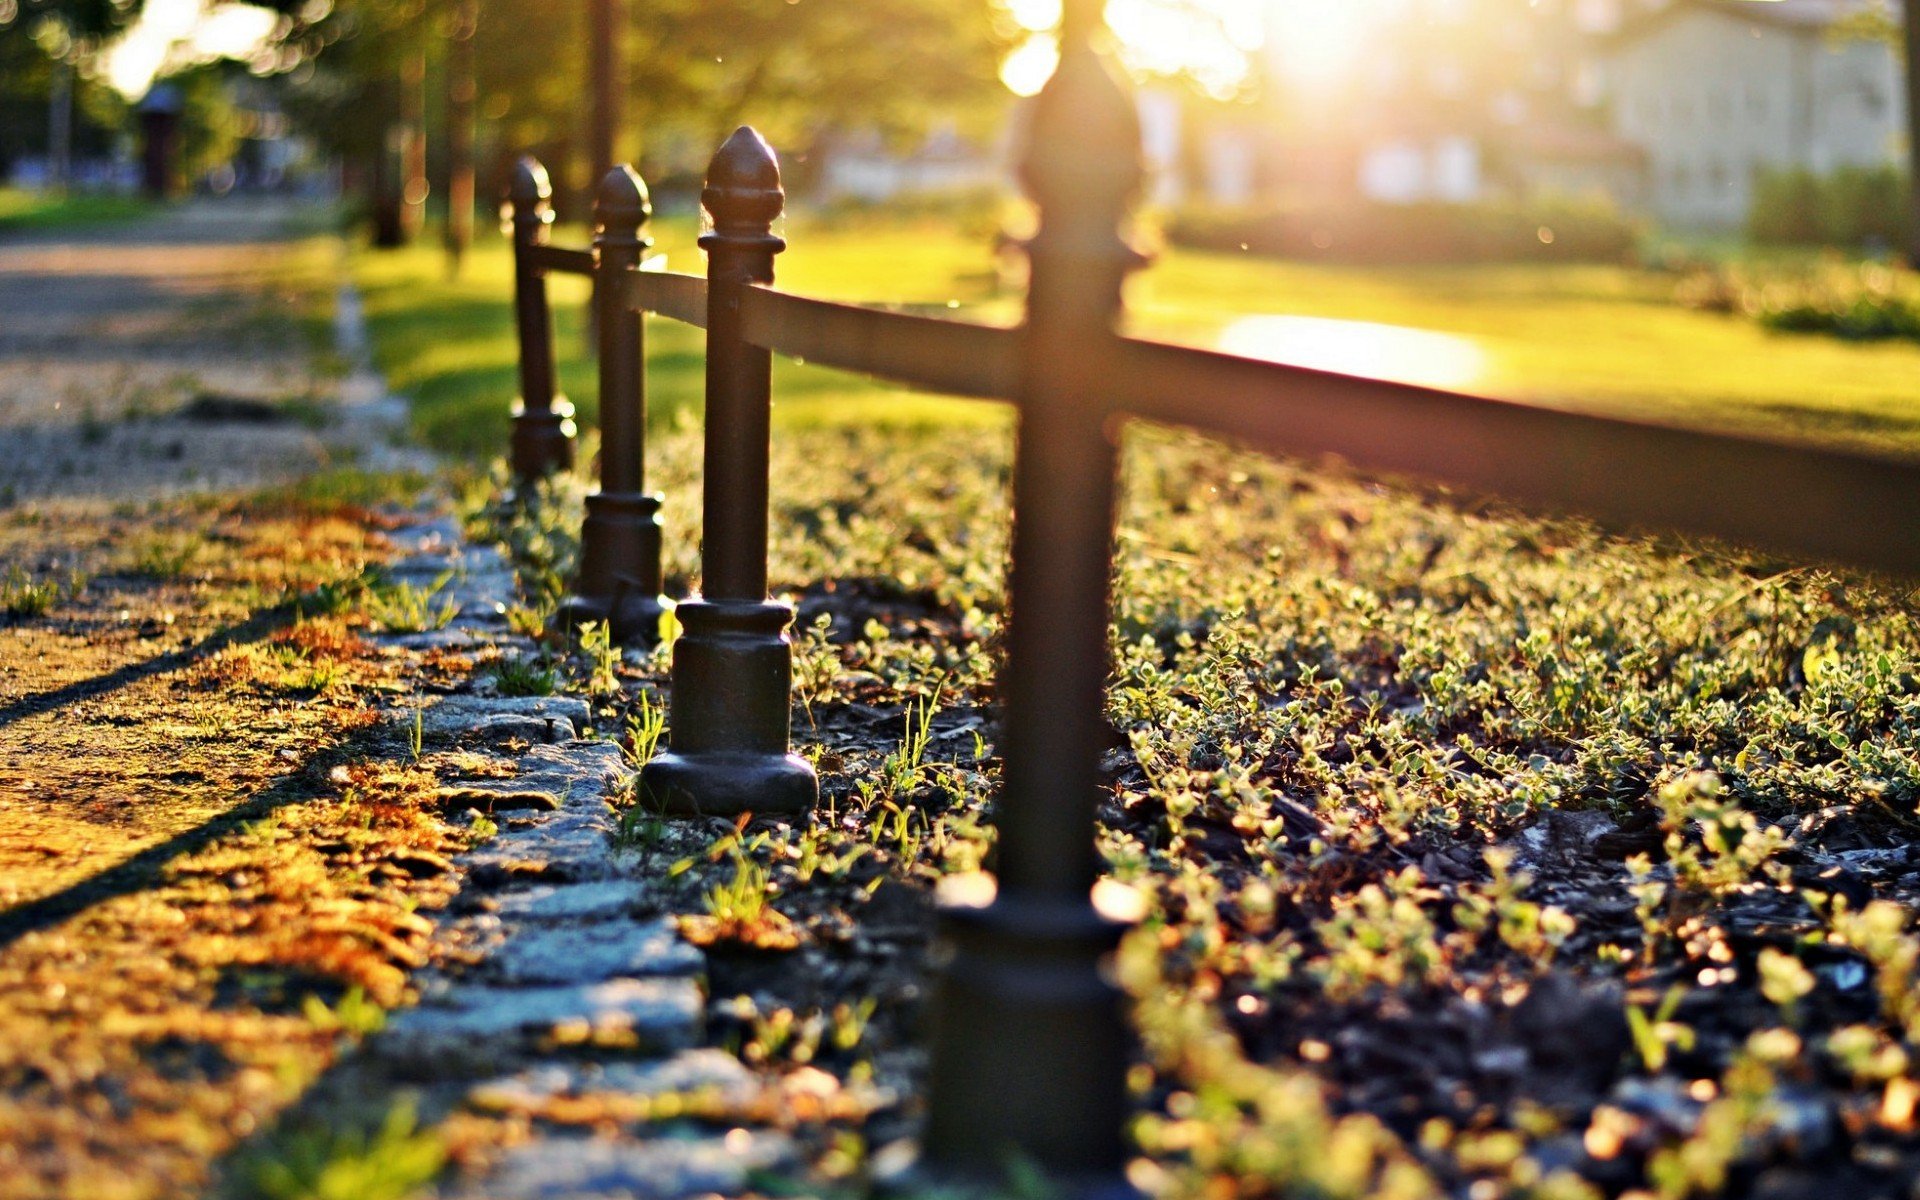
(622, 205)
(1082, 164)
(1079, 19)
(743, 190)
(529, 187)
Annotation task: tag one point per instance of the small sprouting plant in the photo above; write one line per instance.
(1534, 930)
(340, 1161)
(402, 607)
(1656, 1034)
(1379, 936)
(355, 1014)
(1880, 933)
(482, 829)
(646, 725)
(1785, 981)
(738, 910)
(905, 767)
(603, 658)
(23, 596)
(416, 734)
(742, 900)
(523, 676)
(164, 556)
(1733, 848)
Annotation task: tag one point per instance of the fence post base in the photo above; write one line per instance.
(619, 579)
(542, 444)
(1026, 1016)
(730, 724)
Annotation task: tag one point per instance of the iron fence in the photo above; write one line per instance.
(1030, 1043)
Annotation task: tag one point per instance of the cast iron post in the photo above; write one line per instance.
(1031, 1041)
(733, 665)
(542, 419)
(619, 579)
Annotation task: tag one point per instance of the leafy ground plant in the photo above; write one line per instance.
(1481, 855)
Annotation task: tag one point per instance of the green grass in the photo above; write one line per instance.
(449, 345)
(22, 210)
(1602, 338)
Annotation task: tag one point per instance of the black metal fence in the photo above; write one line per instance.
(1030, 1047)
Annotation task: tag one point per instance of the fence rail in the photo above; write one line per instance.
(1030, 1038)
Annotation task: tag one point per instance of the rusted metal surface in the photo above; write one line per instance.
(951, 357)
(730, 748)
(543, 420)
(619, 577)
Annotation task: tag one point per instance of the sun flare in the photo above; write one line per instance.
(1219, 45)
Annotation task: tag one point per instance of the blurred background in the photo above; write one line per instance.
(1379, 129)
(1693, 210)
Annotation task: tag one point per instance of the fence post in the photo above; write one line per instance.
(543, 419)
(733, 665)
(619, 575)
(1031, 1042)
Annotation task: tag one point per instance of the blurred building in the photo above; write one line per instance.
(1715, 91)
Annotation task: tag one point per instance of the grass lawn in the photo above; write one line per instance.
(24, 210)
(1600, 337)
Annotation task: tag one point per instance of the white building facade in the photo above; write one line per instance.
(1715, 91)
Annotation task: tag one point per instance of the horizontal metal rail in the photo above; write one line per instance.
(951, 357)
(561, 259)
(679, 297)
(1830, 504)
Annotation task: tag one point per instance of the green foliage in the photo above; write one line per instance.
(400, 606)
(1656, 1034)
(355, 1014)
(318, 1160)
(523, 675)
(23, 596)
(1853, 207)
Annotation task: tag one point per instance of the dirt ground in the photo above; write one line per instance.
(196, 862)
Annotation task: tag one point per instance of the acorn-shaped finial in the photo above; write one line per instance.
(1080, 18)
(743, 191)
(529, 188)
(622, 205)
(1082, 163)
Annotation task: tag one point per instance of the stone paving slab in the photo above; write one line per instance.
(588, 952)
(570, 902)
(667, 1168)
(704, 1071)
(554, 986)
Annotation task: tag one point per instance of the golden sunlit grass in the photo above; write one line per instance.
(1608, 338)
(213, 858)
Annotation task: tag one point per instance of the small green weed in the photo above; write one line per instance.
(165, 556)
(401, 607)
(344, 1161)
(22, 596)
(354, 1014)
(523, 676)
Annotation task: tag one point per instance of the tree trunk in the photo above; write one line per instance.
(460, 99)
(60, 125)
(413, 138)
(1910, 24)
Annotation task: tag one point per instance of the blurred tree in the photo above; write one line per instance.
(51, 104)
(696, 68)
